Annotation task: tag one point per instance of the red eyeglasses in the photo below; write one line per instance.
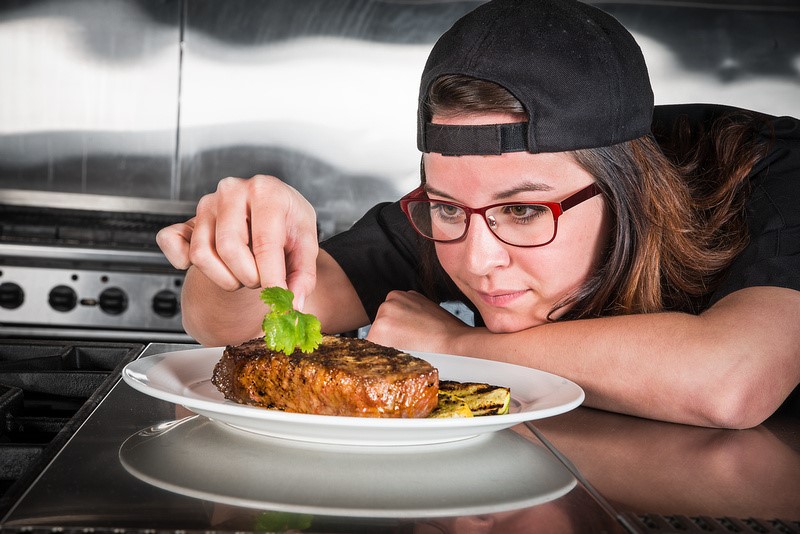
(521, 224)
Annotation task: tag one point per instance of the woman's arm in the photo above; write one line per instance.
(731, 366)
(247, 235)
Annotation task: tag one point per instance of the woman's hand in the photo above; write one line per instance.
(249, 233)
(408, 320)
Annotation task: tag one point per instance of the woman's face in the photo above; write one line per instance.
(513, 287)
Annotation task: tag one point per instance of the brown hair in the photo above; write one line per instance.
(678, 214)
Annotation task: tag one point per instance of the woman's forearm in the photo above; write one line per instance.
(729, 367)
(216, 317)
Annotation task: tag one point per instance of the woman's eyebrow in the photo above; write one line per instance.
(524, 187)
(433, 191)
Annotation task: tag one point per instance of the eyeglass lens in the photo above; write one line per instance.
(516, 224)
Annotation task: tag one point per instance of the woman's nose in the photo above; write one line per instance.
(484, 251)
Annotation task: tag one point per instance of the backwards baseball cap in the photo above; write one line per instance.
(579, 74)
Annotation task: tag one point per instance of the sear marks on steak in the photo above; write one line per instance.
(344, 376)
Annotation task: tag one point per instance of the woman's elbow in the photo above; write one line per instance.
(740, 406)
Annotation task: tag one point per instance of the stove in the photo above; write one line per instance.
(87, 267)
(47, 390)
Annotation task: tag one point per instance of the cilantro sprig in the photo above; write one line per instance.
(285, 328)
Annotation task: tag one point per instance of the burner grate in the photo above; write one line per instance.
(47, 390)
(674, 524)
(62, 227)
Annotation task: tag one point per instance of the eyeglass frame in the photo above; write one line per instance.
(556, 208)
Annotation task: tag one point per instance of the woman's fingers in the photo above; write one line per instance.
(284, 237)
(301, 264)
(232, 231)
(251, 233)
(174, 242)
(203, 247)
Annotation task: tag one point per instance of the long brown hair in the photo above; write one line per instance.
(678, 215)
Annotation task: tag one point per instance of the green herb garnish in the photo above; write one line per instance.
(285, 328)
(282, 521)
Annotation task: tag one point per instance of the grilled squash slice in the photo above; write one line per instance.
(450, 406)
(458, 398)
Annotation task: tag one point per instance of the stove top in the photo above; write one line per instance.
(96, 272)
(47, 390)
(75, 228)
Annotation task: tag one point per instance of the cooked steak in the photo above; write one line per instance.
(344, 376)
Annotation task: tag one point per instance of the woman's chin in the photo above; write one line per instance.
(508, 325)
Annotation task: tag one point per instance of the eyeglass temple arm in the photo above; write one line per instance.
(581, 196)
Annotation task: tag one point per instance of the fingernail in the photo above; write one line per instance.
(299, 302)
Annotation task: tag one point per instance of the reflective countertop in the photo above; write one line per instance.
(139, 463)
(651, 468)
(142, 463)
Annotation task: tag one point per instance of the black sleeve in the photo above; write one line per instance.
(772, 258)
(378, 254)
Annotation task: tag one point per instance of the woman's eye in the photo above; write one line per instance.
(445, 211)
(522, 213)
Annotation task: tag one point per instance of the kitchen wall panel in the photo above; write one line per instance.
(321, 93)
(88, 96)
(737, 52)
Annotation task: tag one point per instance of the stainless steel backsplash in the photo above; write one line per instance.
(159, 99)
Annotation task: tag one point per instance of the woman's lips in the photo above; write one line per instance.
(500, 298)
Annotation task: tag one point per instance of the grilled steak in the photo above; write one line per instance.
(344, 376)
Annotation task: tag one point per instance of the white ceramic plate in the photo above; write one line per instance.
(185, 378)
(496, 472)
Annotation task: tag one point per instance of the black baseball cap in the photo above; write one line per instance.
(579, 74)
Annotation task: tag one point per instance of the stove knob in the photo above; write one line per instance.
(113, 301)
(11, 295)
(62, 298)
(165, 303)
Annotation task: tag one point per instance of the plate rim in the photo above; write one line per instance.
(135, 375)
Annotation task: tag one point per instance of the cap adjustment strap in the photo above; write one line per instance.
(477, 140)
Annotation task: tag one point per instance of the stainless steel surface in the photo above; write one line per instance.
(88, 102)
(47, 390)
(321, 93)
(633, 475)
(160, 99)
(95, 271)
(39, 253)
(104, 299)
(99, 334)
(107, 203)
(737, 52)
(87, 487)
(649, 467)
(90, 293)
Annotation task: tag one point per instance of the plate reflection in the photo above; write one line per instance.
(200, 458)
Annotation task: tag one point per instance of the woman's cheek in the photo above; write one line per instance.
(451, 258)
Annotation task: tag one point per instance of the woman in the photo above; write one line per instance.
(660, 275)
